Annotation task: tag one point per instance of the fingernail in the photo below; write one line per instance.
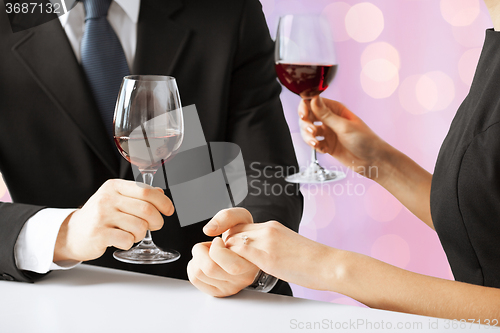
(310, 129)
(222, 243)
(313, 143)
(210, 227)
(302, 116)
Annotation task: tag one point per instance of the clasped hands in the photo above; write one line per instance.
(120, 213)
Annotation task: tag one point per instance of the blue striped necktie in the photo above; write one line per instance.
(103, 59)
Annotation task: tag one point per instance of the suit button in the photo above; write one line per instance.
(7, 277)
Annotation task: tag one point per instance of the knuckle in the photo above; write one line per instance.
(103, 199)
(102, 204)
(209, 269)
(147, 209)
(270, 233)
(143, 226)
(108, 183)
(235, 269)
(274, 224)
(111, 184)
(229, 292)
(144, 192)
(248, 215)
(156, 224)
(190, 270)
(218, 292)
(270, 229)
(197, 274)
(128, 241)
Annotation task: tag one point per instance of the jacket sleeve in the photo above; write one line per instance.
(257, 124)
(13, 216)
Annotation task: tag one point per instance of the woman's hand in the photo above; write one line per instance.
(346, 137)
(283, 253)
(353, 143)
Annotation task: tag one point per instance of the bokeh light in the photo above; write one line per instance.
(408, 96)
(379, 78)
(460, 13)
(435, 91)
(364, 22)
(380, 50)
(473, 34)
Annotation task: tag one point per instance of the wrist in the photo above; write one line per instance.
(386, 166)
(62, 250)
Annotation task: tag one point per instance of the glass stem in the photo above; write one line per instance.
(314, 157)
(147, 178)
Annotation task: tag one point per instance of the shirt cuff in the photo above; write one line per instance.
(34, 248)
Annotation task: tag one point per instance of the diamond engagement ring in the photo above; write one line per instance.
(245, 239)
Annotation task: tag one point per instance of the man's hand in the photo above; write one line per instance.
(118, 214)
(215, 269)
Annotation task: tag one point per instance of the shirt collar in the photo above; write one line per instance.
(130, 7)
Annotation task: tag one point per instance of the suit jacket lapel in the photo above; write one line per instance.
(47, 55)
(160, 40)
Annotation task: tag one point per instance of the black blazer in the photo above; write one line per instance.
(54, 151)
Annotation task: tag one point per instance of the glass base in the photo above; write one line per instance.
(146, 254)
(315, 174)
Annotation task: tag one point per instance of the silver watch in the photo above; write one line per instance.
(263, 282)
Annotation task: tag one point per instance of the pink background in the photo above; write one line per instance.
(404, 68)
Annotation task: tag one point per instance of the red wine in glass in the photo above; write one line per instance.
(149, 153)
(306, 65)
(305, 80)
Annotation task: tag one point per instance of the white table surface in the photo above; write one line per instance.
(92, 299)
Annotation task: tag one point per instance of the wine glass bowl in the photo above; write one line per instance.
(148, 129)
(304, 80)
(306, 64)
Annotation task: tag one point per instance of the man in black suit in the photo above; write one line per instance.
(55, 151)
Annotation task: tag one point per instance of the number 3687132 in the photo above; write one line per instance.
(33, 7)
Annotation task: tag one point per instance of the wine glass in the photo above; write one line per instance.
(306, 64)
(148, 129)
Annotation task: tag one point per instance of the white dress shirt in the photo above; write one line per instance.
(34, 248)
